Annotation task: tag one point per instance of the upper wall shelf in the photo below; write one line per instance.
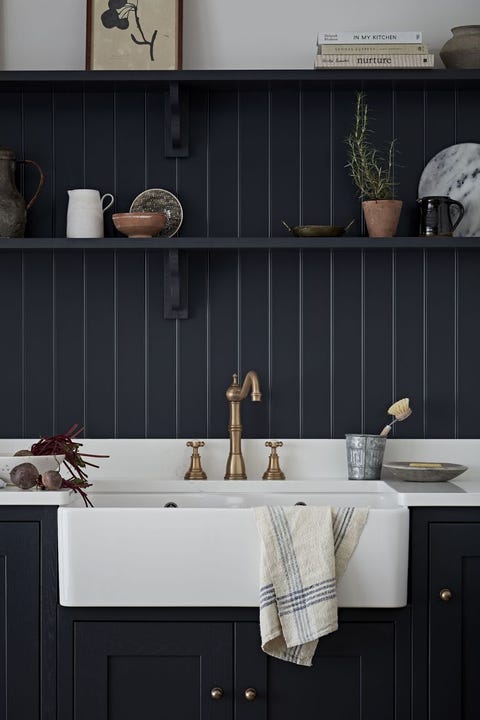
(126, 80)
(237, 243)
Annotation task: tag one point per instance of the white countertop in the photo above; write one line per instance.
(11, 495)
(310, 465)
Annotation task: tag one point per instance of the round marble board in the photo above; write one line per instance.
(455, 171)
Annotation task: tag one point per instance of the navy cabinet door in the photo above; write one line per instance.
(454, 636)
(152, 670)
(19, 621)
(361, 671)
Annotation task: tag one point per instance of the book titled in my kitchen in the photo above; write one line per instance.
(364, 38)
(376, 60)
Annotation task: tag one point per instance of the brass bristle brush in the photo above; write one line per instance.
(401, 410)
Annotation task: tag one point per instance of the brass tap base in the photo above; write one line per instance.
(273, 471)
(235, 477)
(270, 475)
(192, 475)
(195, 471)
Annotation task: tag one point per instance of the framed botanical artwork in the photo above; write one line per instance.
(134, 34)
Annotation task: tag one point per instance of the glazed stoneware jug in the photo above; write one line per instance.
(436, 217)
(85, 213)
(13, 208)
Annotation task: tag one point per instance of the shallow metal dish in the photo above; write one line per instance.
(405, 471)
(318, 230)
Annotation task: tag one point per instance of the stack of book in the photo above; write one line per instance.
(376, 50)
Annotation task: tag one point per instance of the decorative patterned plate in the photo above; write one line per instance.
(455, 171)
(159, 200)
(424, 471)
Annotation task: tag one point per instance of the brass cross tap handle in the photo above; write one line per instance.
(195, 471)
(273, 471)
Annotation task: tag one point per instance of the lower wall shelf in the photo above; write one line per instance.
(238, 243)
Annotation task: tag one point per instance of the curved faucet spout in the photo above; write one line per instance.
(235, 394)
(251, 381)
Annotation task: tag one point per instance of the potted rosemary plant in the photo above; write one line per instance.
(372, 173)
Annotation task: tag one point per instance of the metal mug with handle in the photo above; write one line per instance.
(435, 215)
(13, 208)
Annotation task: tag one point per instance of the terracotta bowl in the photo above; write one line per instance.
(139, 224)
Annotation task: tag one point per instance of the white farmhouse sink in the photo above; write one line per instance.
(130, 550)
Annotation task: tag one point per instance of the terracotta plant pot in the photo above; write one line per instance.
(382, 217)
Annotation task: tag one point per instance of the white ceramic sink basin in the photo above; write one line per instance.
(130, 550)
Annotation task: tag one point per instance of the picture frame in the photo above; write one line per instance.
(134, 35)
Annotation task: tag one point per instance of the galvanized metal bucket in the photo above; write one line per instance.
(365, 456)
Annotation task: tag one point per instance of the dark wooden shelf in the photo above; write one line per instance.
(234, 243)
(126, 80)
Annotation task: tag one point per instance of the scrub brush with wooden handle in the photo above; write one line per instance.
(401, 410)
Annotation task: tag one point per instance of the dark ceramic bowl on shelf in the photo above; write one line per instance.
(318, 230)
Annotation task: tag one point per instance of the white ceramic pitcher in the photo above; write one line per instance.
(85, 213)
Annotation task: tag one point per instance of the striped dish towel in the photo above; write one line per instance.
(305, 551)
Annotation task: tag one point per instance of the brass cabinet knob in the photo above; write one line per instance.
(216, 693)
(445, 595)
(250, 694)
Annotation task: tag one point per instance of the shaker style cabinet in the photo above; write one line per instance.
(197, 669)
(454, 637)
(445, 592)
(19, 624)
(361, 671)
(28, 607)
(150, 670)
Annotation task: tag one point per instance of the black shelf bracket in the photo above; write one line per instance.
(175, 285)
(176, 121)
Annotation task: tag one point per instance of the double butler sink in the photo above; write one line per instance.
(186, 545)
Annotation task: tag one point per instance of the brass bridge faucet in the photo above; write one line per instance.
(235, 394)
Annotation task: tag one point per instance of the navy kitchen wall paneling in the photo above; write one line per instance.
(99, 149)
(347, 342)
(468, 347)
(68, 339)
(161, 356)
(316, 337)
(255, 336)
(409, 135)
(38, 355)
(100, 345)
(334, 335)
(441, 344)
(409, 327)
(11, 320)
(378, 341)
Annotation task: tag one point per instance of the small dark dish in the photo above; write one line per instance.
(318, 230)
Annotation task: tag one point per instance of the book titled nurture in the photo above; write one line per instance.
(377, 60)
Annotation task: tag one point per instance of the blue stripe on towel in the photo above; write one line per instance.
(305, 590)
(326, 594)
(306, 597)
(266, 603)
(340, 529)
(290, 563)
